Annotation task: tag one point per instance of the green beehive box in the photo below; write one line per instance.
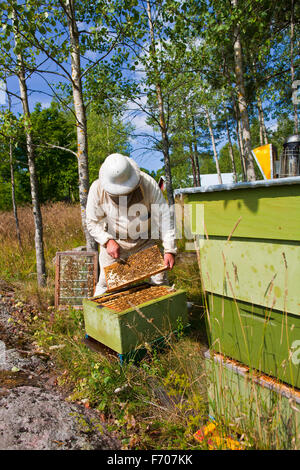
(246, 401)
(128, 330)
(264, 339)
(249, 245)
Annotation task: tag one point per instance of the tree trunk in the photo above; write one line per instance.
(12, 179)
(236, 113)
(196, 152)
(13, 196)
(231, 152)
(263, 137)
(213, 145)
(37, 215)
(161, 111)
(81, 124)
(242, 103)
(193, 165)
(296, 124)
(197, 168)
(242, 149)
(239, 138)
(38, 222)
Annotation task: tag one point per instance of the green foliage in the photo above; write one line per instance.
(181, 174)
(285, 128)
(107, 134)
(225, 161)
(12, 133)
(54, 138)
(192, 64)
(56, 168)
(123, 394)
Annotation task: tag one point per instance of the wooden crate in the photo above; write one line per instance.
(127, 330)
(76, 275)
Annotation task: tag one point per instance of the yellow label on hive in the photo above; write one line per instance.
(264, 159)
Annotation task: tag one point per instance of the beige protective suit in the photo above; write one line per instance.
(135, 222)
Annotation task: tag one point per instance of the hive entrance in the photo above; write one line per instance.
(132, 297)
(138, 266)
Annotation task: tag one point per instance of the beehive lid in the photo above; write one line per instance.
(138, 266)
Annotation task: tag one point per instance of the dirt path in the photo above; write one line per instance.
(33, 412)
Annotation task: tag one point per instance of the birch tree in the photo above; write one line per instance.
(58, 37)
(37, 214)
(68, 7)
(9, 129)
(230, 150)
(12, 174)
(211, 132)
(292, 41)
(13, 61)
(241, 95)
(161, 108)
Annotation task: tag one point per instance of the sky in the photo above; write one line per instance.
(39, 93)
(141, 143)
(142, 139)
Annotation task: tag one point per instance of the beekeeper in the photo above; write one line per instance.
(126, 213)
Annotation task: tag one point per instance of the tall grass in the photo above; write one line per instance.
(241, 397)
(62, 231)
(163, 402)
(160, 402)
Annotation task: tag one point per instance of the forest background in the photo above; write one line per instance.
(184, 87)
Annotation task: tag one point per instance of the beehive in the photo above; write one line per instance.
(125, 318)
(249, 237)
(248, 399)
(138, 316)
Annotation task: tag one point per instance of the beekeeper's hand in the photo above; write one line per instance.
(113, 249)
(169, 260)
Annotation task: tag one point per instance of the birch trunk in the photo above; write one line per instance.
(236, 113)
(37, 215)
(231, 152)
(263, 137)
(81, 124)
(213, 145)
(242, 103)
(161, 111)
(239, 139)
(193, 165)
(13, 195)
(296, 124)
(38, 222)
(197, 168)
(12, 180)
(196, 152)
(242, 150)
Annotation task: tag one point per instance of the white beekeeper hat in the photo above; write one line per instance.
(119, 175)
